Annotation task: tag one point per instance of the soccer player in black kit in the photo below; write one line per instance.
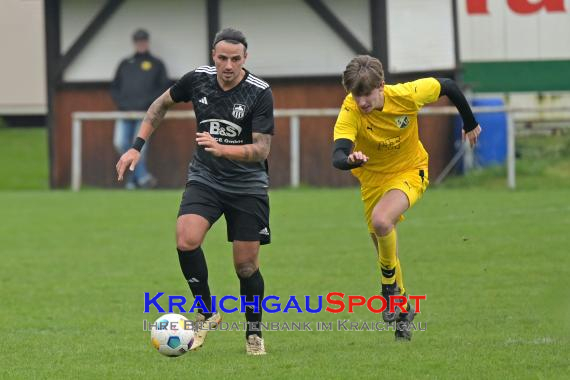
(227, 175)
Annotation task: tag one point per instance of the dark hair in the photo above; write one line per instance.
(230, 35)
(362, 75)
(141, 35)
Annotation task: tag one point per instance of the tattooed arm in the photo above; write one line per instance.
(151, 121)
(155, 114)
(255, 152)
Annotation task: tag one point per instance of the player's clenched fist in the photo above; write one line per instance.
(472, 136)
(209, 143)
(357, 158)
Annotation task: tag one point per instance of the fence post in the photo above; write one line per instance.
(295, 150)
(76, 154)
(511, 176)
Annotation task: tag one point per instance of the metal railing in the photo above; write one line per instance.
(294, 116)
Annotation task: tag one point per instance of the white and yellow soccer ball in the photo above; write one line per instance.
(172, 335)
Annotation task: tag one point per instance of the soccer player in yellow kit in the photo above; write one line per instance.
(376, 137)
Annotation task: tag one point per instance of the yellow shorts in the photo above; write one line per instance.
(413, 183)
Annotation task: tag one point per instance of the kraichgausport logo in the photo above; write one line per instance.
(336, 302)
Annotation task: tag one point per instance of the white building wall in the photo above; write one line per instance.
(504, 35)
(177, 35)
(22, 67)
(286, 38)
(420, 35)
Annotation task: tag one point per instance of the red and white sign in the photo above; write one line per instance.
(475, 7)
(514, 30)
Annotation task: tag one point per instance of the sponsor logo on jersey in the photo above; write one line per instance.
(402, 122)
(220, 127)
(393, 143)
(239, 111)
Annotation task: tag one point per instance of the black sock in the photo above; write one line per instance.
(193, 264)
(249, 287)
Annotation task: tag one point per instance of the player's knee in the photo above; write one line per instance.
(187, 243)
(245, 270)
(382, 225)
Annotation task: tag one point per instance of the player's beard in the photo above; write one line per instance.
(229, 77)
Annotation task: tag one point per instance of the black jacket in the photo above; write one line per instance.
(139, 80)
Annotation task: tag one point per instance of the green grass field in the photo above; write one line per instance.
(493, 263)
(23, 159)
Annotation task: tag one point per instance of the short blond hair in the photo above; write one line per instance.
(362, 75)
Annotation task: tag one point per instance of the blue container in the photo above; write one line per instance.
(491, 148)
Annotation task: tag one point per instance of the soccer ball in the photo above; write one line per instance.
(172, 335)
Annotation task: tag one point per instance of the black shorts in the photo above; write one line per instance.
(247, 215)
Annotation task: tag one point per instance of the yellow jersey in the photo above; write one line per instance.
(389, 137)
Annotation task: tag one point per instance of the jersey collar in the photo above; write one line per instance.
(234, 87)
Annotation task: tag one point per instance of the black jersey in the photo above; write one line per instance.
(230, 117)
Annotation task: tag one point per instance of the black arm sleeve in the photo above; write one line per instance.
(341, 151)
(450, 89)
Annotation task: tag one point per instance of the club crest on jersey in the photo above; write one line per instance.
(402, 122)
(239, 111)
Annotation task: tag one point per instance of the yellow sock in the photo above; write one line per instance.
(387, 247)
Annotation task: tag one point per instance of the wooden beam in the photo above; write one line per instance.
(213, 19)
(455, 11)
(379, 30)
(88, 33)
(337, 26)
(53, 56)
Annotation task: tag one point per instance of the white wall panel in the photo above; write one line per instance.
(554, 36)
(420, 35)
(521, 35)
(504, 35)
(481, 36)
(286, 38)
(22, 67)
(75, 15)
(177, 29)
(355, 15)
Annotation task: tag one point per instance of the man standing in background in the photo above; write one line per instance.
(139, 80)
